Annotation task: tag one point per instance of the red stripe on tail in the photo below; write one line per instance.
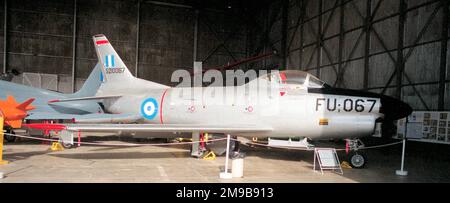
(99, 42)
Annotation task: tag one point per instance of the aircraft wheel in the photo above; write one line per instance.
(357, 160)
(9, 138)
(67, 145)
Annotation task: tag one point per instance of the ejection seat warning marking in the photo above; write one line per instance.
(149, 108)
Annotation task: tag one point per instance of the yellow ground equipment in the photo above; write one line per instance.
(2, 162)
(56, 146)
(210, 156)
(346, 165)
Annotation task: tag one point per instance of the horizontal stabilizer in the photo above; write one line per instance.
(84, 98)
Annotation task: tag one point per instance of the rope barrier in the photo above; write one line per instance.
(192, 142)
(278, 147)
(380, 146)
(111, 144)
(312, 149)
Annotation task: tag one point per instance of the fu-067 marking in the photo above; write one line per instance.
(346, 104)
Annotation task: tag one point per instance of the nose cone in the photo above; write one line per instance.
(394, 109)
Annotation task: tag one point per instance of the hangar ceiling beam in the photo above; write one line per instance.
(444, 50)
(302, 32)
(74, 45)
(284, 19)
(341, 42)
(319, 38)
(5, 35)
(159, 3)
(138, 25)
(266, 38)
(195, 51)
(177, 5)
(367, 28)
(297, 25)
(400, 65)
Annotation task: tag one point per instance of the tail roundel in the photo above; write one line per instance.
(113, 68)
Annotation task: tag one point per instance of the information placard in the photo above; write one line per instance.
(327, 159)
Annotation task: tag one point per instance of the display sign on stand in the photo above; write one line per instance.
(327, 159)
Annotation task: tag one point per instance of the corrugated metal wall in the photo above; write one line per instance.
(40, 36)
(362, 44)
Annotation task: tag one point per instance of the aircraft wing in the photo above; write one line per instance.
(166, 128)
(86, 118)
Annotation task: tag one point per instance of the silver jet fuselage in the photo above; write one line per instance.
(291, 111)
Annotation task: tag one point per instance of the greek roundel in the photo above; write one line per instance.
(149, 108)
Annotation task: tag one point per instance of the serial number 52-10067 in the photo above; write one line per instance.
(246, 192)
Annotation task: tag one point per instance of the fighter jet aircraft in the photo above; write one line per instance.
(298, 104)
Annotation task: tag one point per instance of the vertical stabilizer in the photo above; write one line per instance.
(113, 68)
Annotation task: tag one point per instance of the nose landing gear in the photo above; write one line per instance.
(356, 158)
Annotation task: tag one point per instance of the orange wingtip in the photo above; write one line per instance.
(27, 105)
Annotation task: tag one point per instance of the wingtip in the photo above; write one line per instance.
(26, 105)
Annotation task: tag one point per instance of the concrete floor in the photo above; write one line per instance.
(32, 161)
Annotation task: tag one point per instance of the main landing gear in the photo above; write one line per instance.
(356, 158)
(7, 136)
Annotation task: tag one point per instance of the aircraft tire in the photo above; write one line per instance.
(357, 160)
(9, 138)
(67, 145)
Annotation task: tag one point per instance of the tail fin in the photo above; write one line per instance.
(92, 83)
(113, 68)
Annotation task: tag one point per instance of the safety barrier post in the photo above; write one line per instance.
(2, 162)
(225, 174)
(79, 138)
(401, 172)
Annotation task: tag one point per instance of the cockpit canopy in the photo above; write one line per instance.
(294, 77)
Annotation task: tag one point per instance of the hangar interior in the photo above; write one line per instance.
(398, 48)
